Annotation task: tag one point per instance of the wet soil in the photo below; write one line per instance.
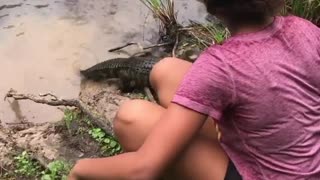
(46, 143)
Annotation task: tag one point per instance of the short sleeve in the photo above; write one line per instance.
(207, 87)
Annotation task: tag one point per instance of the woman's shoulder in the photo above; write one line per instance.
(299, 23)
(301, 29)
(213, 52)
(296, 19)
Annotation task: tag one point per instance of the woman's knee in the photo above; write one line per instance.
(125, 116)
(166, 69)
(134, 121)
(135, 115)
(159, 70)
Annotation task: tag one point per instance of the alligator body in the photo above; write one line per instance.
(133, 72)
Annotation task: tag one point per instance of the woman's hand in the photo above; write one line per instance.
(72, 176)
(76, 170)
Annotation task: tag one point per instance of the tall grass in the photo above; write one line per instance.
(308, 9)
(205, 34)
(201, 34)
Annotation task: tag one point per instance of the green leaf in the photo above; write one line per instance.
(46, 177)
(113, 144)
(24, 153)
(107, 141)
(118, 148)
(64, 177)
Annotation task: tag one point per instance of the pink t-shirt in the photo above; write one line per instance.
(263, 88)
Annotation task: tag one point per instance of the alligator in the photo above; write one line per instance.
(133, 72)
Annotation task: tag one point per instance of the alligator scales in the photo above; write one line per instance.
(133, 72)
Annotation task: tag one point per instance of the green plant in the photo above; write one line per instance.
(26, 166)
(196, 35)
(308, 9)
(209, 33)
(109, 144)
(163, 10)
(87, 121)
(69, 117)
(56, 170)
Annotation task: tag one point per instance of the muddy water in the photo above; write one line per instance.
(44, 43)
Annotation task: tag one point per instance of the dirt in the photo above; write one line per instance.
(103, 99)
(53, 140)
(47, 142)
(50, 141)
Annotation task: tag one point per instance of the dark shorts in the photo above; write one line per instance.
(232, 173)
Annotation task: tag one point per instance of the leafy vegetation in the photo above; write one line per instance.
(109, 144)
(57, 170)
(25, 166)
(308, 9)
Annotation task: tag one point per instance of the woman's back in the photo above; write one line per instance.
(265, 91)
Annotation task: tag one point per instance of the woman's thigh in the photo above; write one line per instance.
(203, 159)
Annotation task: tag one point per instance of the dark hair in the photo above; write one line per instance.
(244, 11)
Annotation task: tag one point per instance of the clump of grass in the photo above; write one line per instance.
(195, 35)
(207, 34)
(163, 10)
(308, 9)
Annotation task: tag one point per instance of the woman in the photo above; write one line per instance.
(262, 86)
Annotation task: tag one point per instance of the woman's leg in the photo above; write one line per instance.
(166, 77)
(204, 158)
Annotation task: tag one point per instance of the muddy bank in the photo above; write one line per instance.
(45, 143)
(45, 43)
(73, 138)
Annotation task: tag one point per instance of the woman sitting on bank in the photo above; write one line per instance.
(262, 86)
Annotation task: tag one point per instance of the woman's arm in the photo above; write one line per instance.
(170, 136)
